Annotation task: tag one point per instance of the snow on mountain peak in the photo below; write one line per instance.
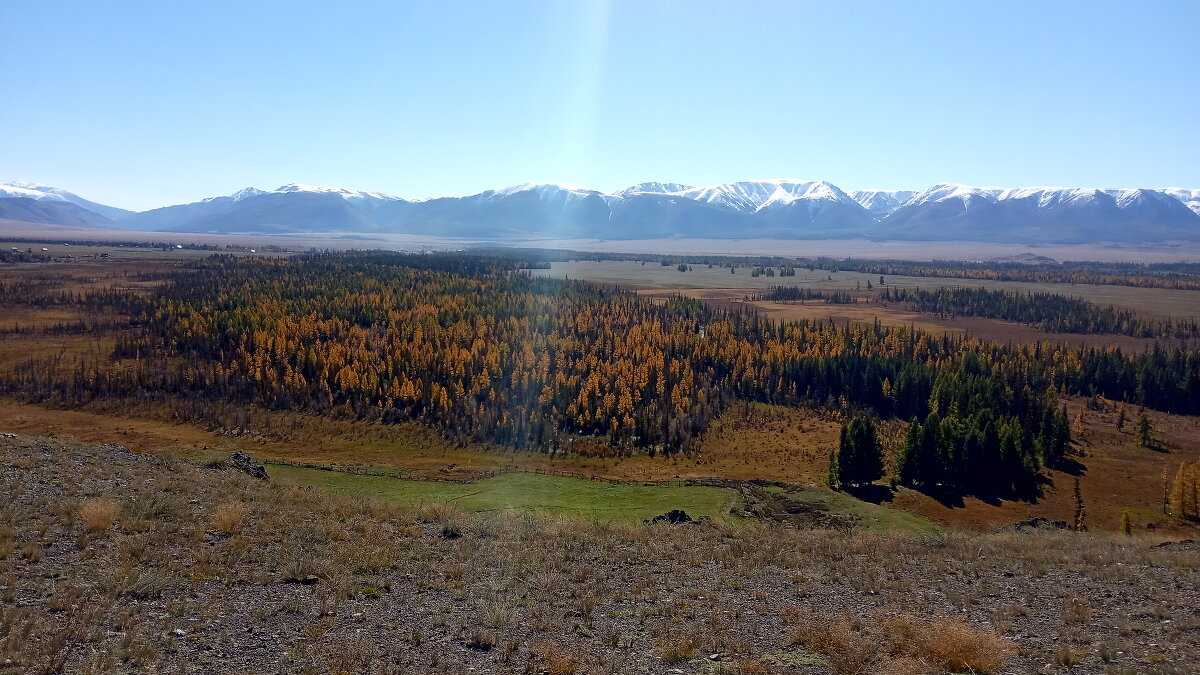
(343, 192)
(543, 189)
(1189, 197)
(752, 195)
(653, 187)
(882, 202)
(20, 188)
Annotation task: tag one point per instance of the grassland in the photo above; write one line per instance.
(578, 497)
(1149, 301)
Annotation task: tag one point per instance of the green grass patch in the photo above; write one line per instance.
(535, 492)
(874, 517)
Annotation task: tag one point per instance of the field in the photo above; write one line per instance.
(1150, 301)
(557, 495)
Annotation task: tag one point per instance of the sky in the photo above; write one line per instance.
(144, 104)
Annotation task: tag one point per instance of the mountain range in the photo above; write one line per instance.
(790, 209)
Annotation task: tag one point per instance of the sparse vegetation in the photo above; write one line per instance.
(371, 586)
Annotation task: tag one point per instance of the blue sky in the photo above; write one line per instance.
(142, 104)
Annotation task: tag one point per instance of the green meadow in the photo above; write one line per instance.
(592, 499)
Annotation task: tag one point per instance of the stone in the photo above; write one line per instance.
(242, 462)
(674, 517)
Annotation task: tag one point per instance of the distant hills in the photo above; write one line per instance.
(788, 209)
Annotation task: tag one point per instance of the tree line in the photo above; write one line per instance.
(1050, 312)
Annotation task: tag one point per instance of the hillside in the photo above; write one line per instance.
(112, 561)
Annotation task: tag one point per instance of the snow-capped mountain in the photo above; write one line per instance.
(779, 208)
(882, 202)
(289, 208)
(1190, 198)
(653, 187)
(36, 191)
(1065, 215)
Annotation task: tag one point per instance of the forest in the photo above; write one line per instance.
(1050, 312)
(473, 347)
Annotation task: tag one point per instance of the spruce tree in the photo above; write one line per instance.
(860, 454)
(908, 460)
(1145, 430)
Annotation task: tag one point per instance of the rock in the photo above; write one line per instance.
(1182, 543)
(674, 517)
(242, 462)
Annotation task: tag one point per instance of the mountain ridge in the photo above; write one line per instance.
(765, 208)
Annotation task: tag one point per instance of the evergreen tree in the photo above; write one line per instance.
(860, 454)
(1145, 430)
(833, 478)
(907, 460)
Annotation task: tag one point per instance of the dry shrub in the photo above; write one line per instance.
(841, 639)
(752, 668)
(677, 650)
(98, 513)
(900, 644)
(230, 516)
(904, 665)
(951, 645)
(1076, 610)
(557, 661)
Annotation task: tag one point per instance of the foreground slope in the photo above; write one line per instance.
(112, 561)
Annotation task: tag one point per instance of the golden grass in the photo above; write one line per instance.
(901, 644)
(99, 513)
(229, 517)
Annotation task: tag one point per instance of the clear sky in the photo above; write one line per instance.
(142, 104)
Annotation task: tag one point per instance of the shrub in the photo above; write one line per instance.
(230, 516)
(959, 647)
(98, 513)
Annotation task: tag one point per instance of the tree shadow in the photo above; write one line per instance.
(949, 497)
(873, 492)
(1070, 465)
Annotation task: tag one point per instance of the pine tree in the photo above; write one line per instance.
(908, 459)
(1121, 418)
(1126, 524)
(1080, 512)
(1145, 430)
(834, 481)
(860, 454)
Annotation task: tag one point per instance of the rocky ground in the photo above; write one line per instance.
(112, 561)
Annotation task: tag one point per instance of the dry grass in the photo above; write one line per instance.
(229, 517)
(901, 644)
(345, 584)
(99, 513)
